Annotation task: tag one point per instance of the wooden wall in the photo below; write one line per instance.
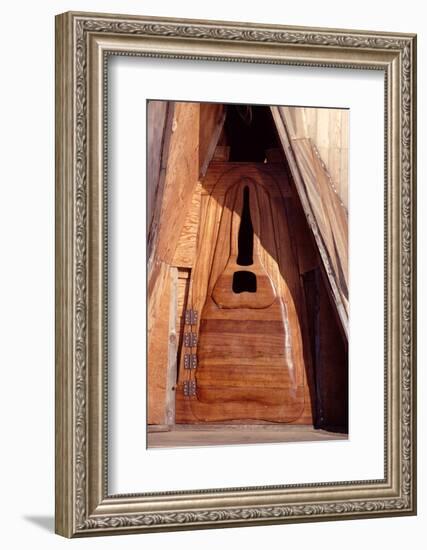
(323, 200)
(315, 143)
(180, 145)
(182, 138)
(328, 130)
(283, 271)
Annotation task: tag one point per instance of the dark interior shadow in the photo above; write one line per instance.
(44, 522)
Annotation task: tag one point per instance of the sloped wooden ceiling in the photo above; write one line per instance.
(315, 143)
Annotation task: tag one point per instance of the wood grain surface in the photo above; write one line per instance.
(322, 202)
(257, 346)
(328, 130)
(190, 435)
(173, 173)
(250, 358)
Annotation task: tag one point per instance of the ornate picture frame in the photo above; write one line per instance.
(84, 42)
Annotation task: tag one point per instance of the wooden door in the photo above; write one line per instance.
(242, 356)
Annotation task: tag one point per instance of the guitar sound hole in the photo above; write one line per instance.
(246, 233)
(244, 281)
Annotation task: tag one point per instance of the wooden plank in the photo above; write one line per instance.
(156, 286)
(202, 435)
(157, 117)
(180, 180)
(308, 259)
(182, 299)
(328, 130)
(302, 238)
(171, 376)
(182, 290)
(276, 256)
(212, 117)
(330, 216)
(157, 356)
(185, 251)
(222, 153)
(323, 209)
(289, 245)
(160, 115)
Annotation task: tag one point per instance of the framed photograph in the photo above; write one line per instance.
(235, 274)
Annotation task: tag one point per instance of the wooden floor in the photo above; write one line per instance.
(190, 435)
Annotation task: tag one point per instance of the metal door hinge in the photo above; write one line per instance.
(190, 339)
(189, 388)
(190, 361)
(191, 317)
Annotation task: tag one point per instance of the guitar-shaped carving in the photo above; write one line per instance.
(244, 283)
(246, 368)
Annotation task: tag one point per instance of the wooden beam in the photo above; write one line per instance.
(160, 116)
(158, 353)
(185, 251)
(325, 214)
(212, 117)
(182, 175)
(328, 130)
(171, 377)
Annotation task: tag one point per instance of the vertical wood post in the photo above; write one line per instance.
(172, 348)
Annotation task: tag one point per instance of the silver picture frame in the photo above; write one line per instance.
(84, 41)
